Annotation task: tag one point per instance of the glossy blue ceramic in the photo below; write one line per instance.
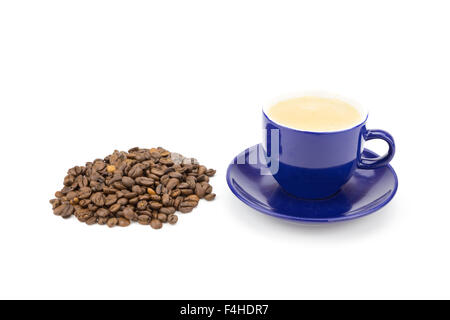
(367, 191)
(315, 165)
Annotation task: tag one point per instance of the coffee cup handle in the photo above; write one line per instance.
(373, 163)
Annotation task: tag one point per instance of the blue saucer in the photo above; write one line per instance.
(366, 192)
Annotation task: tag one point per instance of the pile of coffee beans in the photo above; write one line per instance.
(147, 186)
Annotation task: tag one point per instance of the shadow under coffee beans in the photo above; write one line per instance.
(142, 185)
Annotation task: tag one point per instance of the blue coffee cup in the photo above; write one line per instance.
(315, 165)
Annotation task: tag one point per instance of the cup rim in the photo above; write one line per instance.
(363, 111)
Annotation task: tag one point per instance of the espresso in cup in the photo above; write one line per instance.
(314, 144)
(311, 113)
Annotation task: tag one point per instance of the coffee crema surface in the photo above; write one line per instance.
(311, 113)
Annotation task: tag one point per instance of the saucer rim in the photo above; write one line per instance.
(313, 220)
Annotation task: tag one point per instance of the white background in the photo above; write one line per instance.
(79, 79)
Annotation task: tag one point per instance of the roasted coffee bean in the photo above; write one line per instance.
(176, 175)
(83, 218)
(164, 179)
(144, 219)
(204, 184)
(110, 199)
(188, 204)
(130, 195)
(141, 205)
(129, 213)
(192, 197)
(112, 222)
(162, 217)
(83, 212)
(102, 212)
(99, 165)
(173, 182)
(124, 222)
(55, 203)
(166, 161)
(84, 193)
(60, 210)
(157, 172)
(84, 203)
(175, 193)
(109, 190)
(95, 176)
(156, 224)
(91, 221)
(115, 207)
(155, 154)
(138, 189)
(136, 171)
(177, 201)
(144, 196)
(172, 219)
(92, 207)
(190, 180)
(59, 194)
(127, 182)
(120, 194)
(119, 185)
(201, 170)
(142, 156)
(102, 221)
(68, 211)
(133, 201)
(143, 185)
(117, 177)
(71, 195)
(155, 197)
(165, 199)
(152, 176)
(155, 205)
(187, 192)
(167, 210)
(143, 181)
(160, 189)
(96, 186)
(146, 213)
(210, 196)
(72, 172)
(82, 181)
(98, 199)
(168, 170)
(66, 190)
(185, 209)
(199, 191)
(69, 180)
